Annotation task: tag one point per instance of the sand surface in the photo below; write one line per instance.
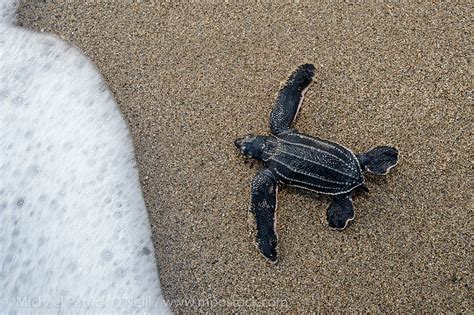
(191, 78)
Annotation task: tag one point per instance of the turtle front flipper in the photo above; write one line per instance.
(379, 160)
(340, 212)
(263, 206)
(290, 98)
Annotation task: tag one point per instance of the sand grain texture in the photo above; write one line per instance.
(191, 78)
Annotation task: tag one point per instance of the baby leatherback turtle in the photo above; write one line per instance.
(296, 159)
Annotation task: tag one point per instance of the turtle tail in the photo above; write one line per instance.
(379, 160)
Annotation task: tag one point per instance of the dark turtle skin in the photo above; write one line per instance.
(296, 159)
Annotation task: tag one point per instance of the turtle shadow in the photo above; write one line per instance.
(359, 192)
(313, 196)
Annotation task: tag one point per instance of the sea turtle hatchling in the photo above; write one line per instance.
(292, 158)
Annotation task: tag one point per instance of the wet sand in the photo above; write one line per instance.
(191, 78)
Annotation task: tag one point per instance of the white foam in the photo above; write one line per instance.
(74, 230)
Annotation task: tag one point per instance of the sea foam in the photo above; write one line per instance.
(74, 229)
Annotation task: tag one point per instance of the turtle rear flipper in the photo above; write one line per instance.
(263, 206)
(340, 212)
(379, 160)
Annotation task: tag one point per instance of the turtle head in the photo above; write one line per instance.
(251, 146)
